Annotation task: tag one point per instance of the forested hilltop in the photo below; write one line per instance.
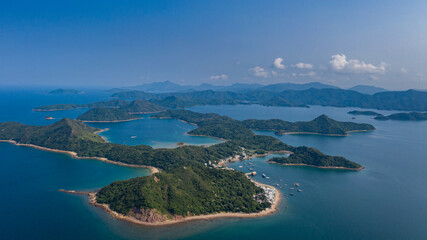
(214, 125)
(106, 115)
(185, 191)
(313, 157)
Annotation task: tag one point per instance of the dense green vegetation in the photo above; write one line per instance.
(134, 107)
(141, 107)
(106, 115)
(320, 125)
(367, 113)
(313, 157)
(184, 191)
(410, 100)
(278, 101)
(115, 103)
(214, 125)
(411, 116)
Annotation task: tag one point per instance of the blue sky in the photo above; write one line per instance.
(122, 43)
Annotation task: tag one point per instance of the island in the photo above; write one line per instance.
(106, 115)
(411, 116)
(134, 107)
(187, 182)
(312, 157)
(186, 193)
(65, 91)
(366, 113)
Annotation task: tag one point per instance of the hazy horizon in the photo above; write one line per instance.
(86, 44)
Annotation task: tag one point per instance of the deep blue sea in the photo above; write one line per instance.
(384, 201)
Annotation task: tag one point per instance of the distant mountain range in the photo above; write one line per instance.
(410, 100)
(367, 89)
(167, 87)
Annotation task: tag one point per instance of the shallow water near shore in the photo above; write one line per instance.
(384, 201)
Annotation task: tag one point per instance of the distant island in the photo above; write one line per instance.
(314, 158)
(366, 113)
(193, 182)
(320, 125)
(134, 107)
(65, 91)
(106, 115)
(410, 116)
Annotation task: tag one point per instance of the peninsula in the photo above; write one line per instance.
(134, 107)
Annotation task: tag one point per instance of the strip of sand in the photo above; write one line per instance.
(74, 155)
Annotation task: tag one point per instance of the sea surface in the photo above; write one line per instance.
(384, 201)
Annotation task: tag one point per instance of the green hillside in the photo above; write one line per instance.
(184, 191)
(313, 157)
(106, 115)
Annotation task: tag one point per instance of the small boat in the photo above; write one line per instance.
(296, 184)
(48, 118)
(291, 188)
(133, 137)
(265, 176)
(291, 194)
(240, 166)
(299, 190)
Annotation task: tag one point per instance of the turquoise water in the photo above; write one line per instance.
(158, 133)
(384, 201)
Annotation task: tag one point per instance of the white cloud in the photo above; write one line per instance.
(309, 74)
(277, 63)
(404, 70)
(339, 63)
(259, 72)
(216, 77)
(303, 65)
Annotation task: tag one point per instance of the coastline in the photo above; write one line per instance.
(274, 208)
(313, 133)
(74, 155)
(307, 165)
(100, 131)
(127, 120)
